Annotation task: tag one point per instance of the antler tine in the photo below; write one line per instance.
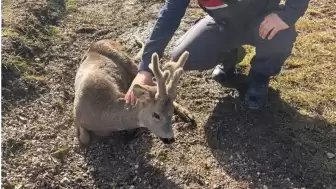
(172, 66)
(172, 85)
(176, 71)
(166, 76)
(154, 66)
(182, 60)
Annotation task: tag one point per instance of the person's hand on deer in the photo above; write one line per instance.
(142, 78)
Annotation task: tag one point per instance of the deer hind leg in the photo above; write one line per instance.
(184, 113)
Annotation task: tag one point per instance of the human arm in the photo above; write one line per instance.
(293, 10)
(169, 19)
(167, 23)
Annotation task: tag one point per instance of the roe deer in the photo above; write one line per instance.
(102, 79)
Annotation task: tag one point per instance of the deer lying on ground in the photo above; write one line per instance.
(103, 78)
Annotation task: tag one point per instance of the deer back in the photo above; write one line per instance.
(101, 81)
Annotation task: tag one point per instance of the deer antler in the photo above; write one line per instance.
(176, 71)
(159, 75)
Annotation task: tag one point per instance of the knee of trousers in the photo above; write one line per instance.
(281, 45)
(270, 61)
(270, 58)
(196, 60)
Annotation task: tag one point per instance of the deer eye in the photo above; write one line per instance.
(156, 116)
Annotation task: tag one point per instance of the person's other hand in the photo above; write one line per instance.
(272, 24)
(142, 78)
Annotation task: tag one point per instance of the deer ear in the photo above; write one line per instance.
(142, 92)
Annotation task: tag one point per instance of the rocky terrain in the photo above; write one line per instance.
(289, 144)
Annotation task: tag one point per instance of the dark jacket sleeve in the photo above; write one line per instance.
(169, 19)
(293, 10)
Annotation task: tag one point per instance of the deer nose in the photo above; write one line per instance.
(167, 140)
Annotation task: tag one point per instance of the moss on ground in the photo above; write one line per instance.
(27, 35)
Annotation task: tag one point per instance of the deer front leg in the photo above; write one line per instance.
(83, 135)
(184, 113)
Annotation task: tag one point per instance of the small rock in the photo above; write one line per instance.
(28, 186)
(86, 30)
(35, 161)
(79, 179)
(132, 187)
(75, 58)
(215, 186)
(330, 155)
(65, 180)
(19, 186)
(265, 187)
(22, 119)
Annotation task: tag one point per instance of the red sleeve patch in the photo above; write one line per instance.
(211, 3)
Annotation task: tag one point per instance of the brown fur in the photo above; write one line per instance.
(101, 82)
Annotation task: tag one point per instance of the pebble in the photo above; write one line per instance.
(23, 119)
(65, 180)
(28, 186)
(19, 186)
(79, 179)
(265, 187)
(35, 161)
(330, 155)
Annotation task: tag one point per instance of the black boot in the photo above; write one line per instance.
(230, 59)
(257, 92)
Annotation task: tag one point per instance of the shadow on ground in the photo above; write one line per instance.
(277, 146)
(122, 161)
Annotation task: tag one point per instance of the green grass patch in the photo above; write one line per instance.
(8, 32)
(18, 65)
(54, 31)
(71, 5)
(33, 77)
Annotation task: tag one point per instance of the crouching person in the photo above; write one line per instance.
(216, 40)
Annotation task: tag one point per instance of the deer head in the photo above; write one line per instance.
(157, 101)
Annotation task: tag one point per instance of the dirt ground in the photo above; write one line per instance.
(289, 144)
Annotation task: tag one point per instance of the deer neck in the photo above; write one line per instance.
(130, 117)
